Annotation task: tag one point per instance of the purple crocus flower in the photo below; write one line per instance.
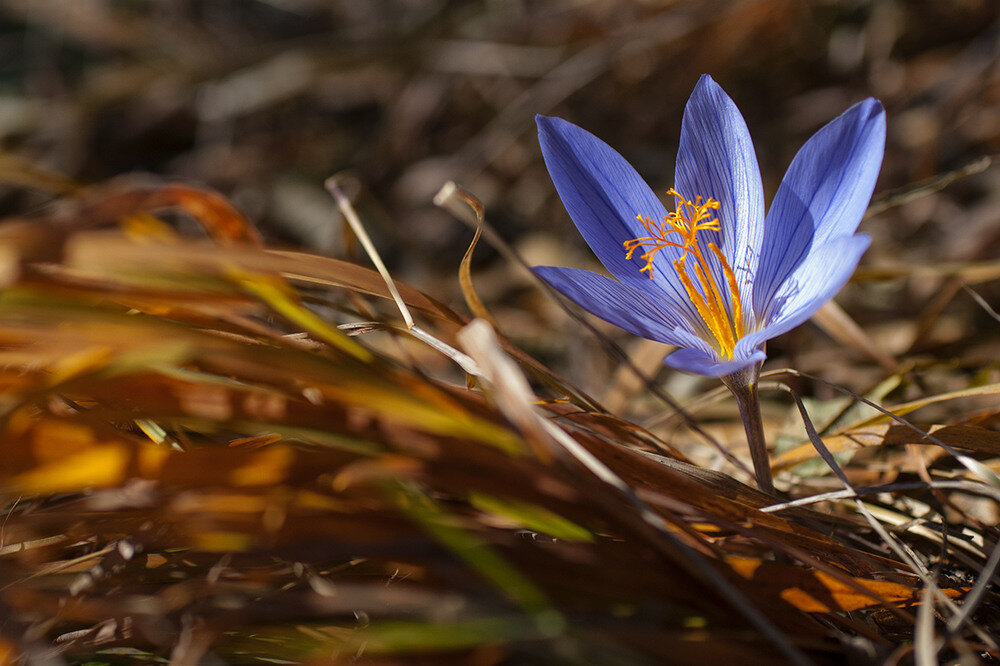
(716, 277)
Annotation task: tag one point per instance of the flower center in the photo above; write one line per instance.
(686, 221)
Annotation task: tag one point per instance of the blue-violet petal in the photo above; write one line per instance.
(700, 362)
(636, 310)
(603, 194)
(716, 159)
(823, 196)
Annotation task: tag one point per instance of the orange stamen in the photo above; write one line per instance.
(734, 290)
(699, 301)
(722, 330)
(686, 221)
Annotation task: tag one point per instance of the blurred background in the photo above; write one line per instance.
(264, 99)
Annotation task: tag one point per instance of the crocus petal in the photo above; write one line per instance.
(814, 282)
(603, 194)
(699, 362)
(636, 310)
(716, 160)
(823, 196)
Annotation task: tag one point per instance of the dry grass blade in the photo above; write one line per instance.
(26, 173)
(476, 305)
(194, 444)
(895, 414)
(924, 648)
(927, 187)
(839, 325)
(906, 554)
(366, 242)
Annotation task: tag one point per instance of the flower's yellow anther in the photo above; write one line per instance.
(734, 290)
(720, 326)
(686, 221)
(696, 298)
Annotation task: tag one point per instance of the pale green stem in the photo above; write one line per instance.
(744, 388)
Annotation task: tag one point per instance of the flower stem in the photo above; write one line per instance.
(743, 386)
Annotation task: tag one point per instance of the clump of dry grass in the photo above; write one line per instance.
(218, 451)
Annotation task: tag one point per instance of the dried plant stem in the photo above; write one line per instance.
(744, 388)
(347, 210)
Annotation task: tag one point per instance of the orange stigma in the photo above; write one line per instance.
(690, 218)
